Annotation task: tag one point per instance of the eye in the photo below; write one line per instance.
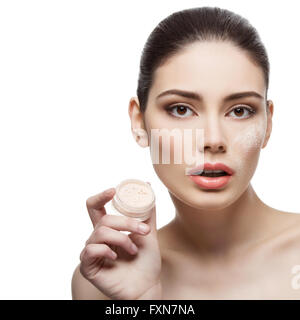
(182, 111)
(240, 111)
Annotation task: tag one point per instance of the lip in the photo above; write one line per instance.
(210, 182)
(212, 166)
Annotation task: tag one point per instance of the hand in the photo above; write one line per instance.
(130, 275)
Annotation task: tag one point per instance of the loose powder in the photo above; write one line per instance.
(135, 195)
(247, 140)
(250, 137)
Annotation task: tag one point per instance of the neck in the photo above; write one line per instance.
(224, 231)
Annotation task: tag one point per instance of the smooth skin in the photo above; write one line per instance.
(222, 244)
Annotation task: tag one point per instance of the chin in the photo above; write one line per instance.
(208, 199)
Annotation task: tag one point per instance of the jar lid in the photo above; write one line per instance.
(134, 196)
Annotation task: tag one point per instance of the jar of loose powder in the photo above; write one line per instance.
(133, 198)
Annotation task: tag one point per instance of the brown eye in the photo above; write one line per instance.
(181, 110)
(240, 112)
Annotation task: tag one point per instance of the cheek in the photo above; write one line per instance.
(247, 144)
(249, 139)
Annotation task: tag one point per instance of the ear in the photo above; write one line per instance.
(270, 110)
(141, 137)
(139, 133)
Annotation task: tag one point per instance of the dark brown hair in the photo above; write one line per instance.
(197, 24)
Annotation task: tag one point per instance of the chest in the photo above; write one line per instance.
(262, 278)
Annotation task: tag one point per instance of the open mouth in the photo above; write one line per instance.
(211, 173)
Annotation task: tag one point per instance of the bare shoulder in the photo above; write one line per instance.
(292, 221)
(284, 256)
(289, 235)
(82, 289)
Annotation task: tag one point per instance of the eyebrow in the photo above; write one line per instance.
(196, 96)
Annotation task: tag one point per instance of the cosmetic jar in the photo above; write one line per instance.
(133, 198)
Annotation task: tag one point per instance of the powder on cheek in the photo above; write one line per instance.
(249, 139)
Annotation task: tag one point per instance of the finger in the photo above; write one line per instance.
(123, 223)
(95, 204)
(110, 236)
(93, 251)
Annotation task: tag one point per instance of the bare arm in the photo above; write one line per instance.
(82, 289)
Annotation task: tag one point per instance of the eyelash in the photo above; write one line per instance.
(251, 110)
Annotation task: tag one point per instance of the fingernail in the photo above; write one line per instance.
(113, 254)
(134, 248)
(143, 227)
(108, 191)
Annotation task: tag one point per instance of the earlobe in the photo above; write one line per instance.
(265, 141)
(141, 137)
(139, 134)
(269, 128)
(268, 133)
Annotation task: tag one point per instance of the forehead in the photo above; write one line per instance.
(212, 68)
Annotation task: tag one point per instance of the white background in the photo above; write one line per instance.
(67, 72)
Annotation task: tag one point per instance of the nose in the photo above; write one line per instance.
(214, 139)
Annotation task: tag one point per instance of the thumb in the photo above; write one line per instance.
(151, 221)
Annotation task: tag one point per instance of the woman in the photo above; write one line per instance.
(224, 242)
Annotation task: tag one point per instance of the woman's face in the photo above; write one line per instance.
(234, 131)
